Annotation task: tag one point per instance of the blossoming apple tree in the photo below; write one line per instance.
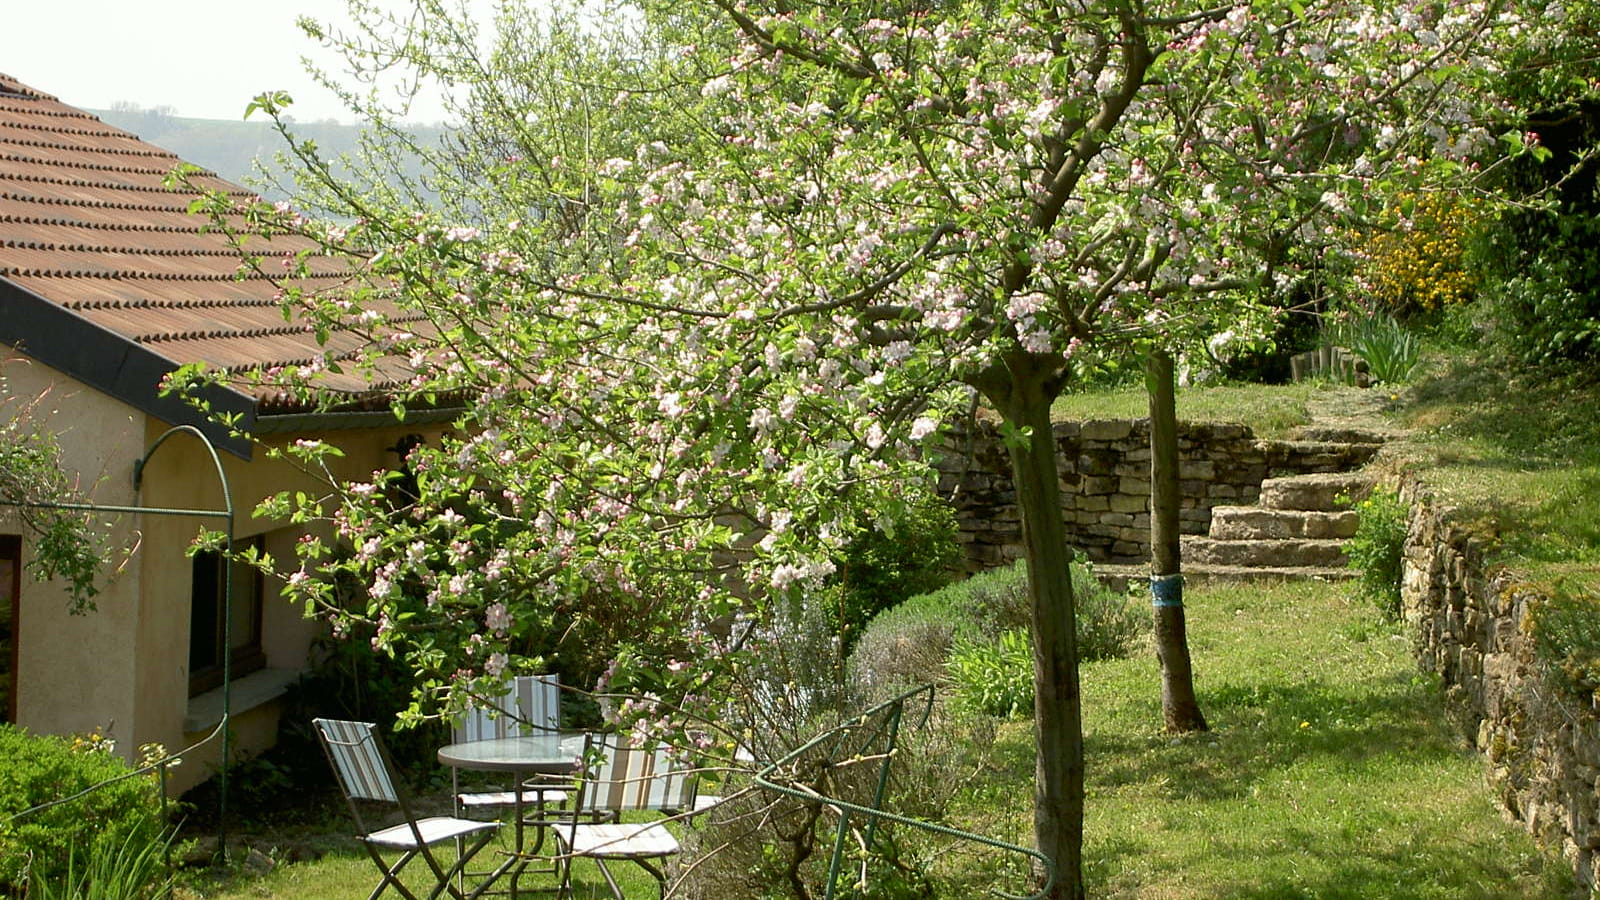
(711, 279)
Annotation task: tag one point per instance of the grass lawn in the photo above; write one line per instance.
(1271, 409)
(1520, 452)
(1329, 771)
(345, 872)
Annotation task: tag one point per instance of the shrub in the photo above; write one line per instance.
(908, 644)
(1541, 292)
(42, 768)
(761, 844)
(1377, 550)
(881, 569)
(1422, 265)
(993, 679)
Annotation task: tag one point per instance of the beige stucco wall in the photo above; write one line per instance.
(77, 673)
(126, 664)
(182, 474)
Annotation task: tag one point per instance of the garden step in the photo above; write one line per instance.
(1291, 553)
(1120, 576)
(1338, 434)
(1320, 492)
(1235, 523)
(1322, 456)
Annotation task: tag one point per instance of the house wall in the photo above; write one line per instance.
(123, 668)
(76, 673)
(182, 474)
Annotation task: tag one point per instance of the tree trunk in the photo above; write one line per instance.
(1023, 396)
(1179, 708)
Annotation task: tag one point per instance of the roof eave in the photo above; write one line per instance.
(115, 365)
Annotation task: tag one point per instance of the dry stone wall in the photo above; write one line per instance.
(1104, 467)
(1472, 629)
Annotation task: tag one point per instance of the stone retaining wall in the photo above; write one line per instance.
(1472, 628)
(1105, 483)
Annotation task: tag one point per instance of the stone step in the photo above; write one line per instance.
(1246, 523)
(1320, 456)
(1119, 577)
(1317, 493)
(1336, 434)
(1289, 553)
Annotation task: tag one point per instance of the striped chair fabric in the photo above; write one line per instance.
(354, 750)
(630, 778)
(531, 703)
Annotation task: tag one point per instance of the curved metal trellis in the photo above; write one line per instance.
(870, 735)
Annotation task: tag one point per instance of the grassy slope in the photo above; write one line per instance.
(1328, 772)
(1520, 452)
(1270, 409)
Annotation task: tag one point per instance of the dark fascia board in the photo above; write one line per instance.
(109, 362)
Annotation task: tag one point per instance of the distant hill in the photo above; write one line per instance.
(235, 150)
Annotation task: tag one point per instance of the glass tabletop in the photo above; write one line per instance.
(545, 752)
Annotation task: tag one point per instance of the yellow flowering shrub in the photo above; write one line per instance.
(1422, 265)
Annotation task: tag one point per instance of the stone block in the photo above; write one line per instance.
(1100, 484)
(1134, 486)
(1201, 469)
(1129, 504)
(1130, 549)
(1106, 429)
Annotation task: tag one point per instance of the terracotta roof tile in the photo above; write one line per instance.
(87, 223)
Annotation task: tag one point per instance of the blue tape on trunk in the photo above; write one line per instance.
(1166, 590)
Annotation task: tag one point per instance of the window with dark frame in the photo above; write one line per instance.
(10, 603)
(206, 618)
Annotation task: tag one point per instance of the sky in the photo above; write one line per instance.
(204, 58)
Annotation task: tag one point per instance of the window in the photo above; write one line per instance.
(206, 618)
(10, 602)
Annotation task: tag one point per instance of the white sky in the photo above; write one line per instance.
(204, 58)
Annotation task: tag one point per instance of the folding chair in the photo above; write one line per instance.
(531, 703)
(625, 778)
(365, 774)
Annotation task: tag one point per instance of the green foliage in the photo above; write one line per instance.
(66, 543)
(42, 768)
(909, 643)
(1391, 351)
(349, 681)
(132, 867)
(1566, 626)
(993, 679)
(1377, 550)
(1541, 286)
(882, 567)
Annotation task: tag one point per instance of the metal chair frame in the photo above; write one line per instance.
(365, 773)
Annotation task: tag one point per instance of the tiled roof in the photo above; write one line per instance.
(87, 225)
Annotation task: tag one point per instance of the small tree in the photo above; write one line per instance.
(33, 483)
(711, 294)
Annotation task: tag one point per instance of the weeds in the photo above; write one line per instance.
(1377, 550)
